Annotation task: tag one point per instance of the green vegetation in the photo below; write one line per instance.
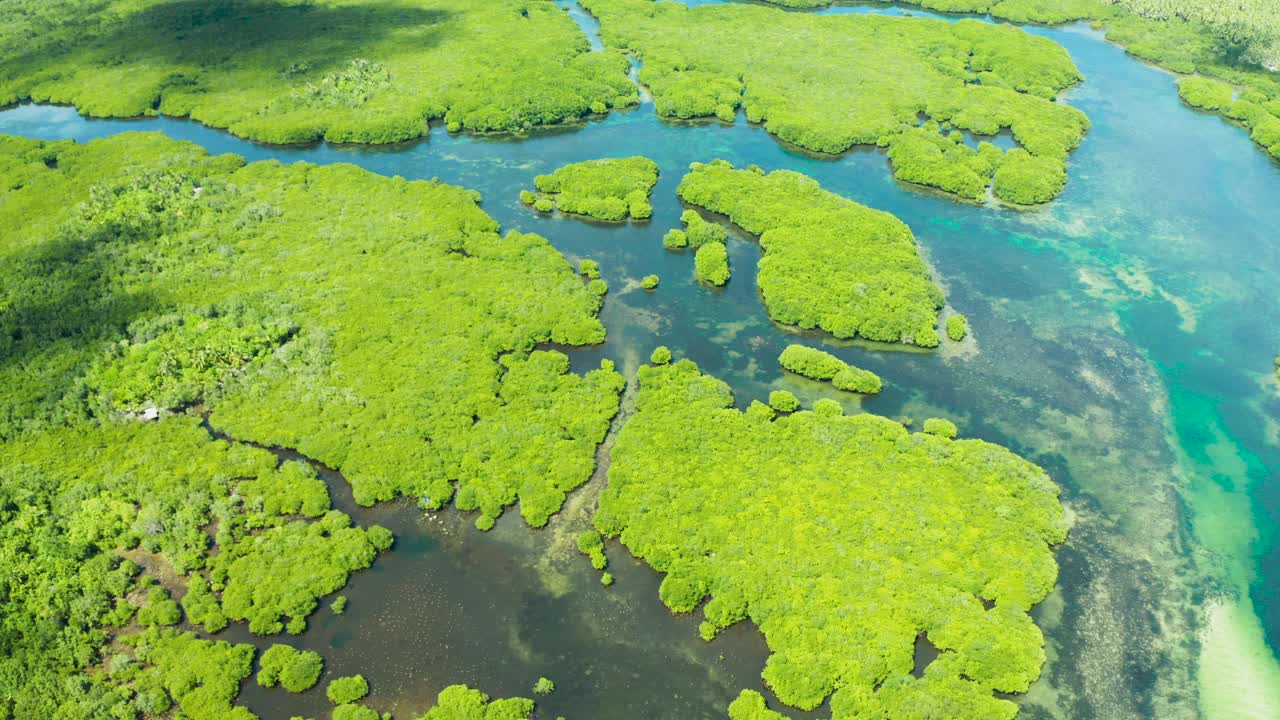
(828, 83)
(957, 327)
(167, 669)
(592, 545)
(940, 427)
(842, 539)
(348, 689)
(649, 282)
(459, 702)
(589, 268)
(818, 247)
(698, 231)
(160, 609)
(339, 605)
(543, 687)
(820, 365)
(275, 70)
(606, 579)
(661, 355)
(294, 670)
(711, 263)
(610, 189)
(293, 303)
(675, 239)
(783, 401)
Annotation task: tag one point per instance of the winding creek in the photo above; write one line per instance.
(1118, 339)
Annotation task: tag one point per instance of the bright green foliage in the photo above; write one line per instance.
(347, 689)
(711, 263)
(661, 355)
(606, 579)
(827, 83)
(699, 232)
(592, 545)
(294, 670)
(160, 609)
(675, 239)
(610, 189)
(171, 361)
(275, 70)
(598, 287)
(285, 569)
(202, 678)
(649, 282)
(291, 490)
(339, 605)
(459, 702)
(589, 268)
(957, 327)
(940, 427)
(841, 538)
(421, 267)
(1250, 28)
(857, 380)
(783, 401)
(201, 605)
(543, 687)
(811, 362)
(1205, 93)
(352, 711)
(828, 262)
(749, 705)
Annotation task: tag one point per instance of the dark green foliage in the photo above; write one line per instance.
(783, 401)
(649, 282)
(160, 609)
(609, 189)
(957, 327)
(940, 427)
(294, 670)
(345, 690)
(818, 247)
(277, 71)
(459, 702)
(827, 83)
(841, 538)
(711, 263)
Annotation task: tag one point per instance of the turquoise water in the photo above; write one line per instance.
(1118, 340)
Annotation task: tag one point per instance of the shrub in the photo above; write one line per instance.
(957, 327)
(940, 427)
(783, 401)
(661, 355)
(348, 689)
(649, 282)
(675, 239)
(589, 268)
(543, 687)
(609, 189)
(711, 264)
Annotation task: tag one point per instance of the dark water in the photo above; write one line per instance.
(1120, 338)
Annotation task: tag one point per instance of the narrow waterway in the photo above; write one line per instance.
(1119, 339)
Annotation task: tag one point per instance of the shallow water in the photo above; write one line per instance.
(1117, 339)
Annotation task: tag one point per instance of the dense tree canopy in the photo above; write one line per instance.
(289, 71)
(608, 189)
(828, 262)
(139, 275)
(821, 365)
(828, 83)
(843, 539)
